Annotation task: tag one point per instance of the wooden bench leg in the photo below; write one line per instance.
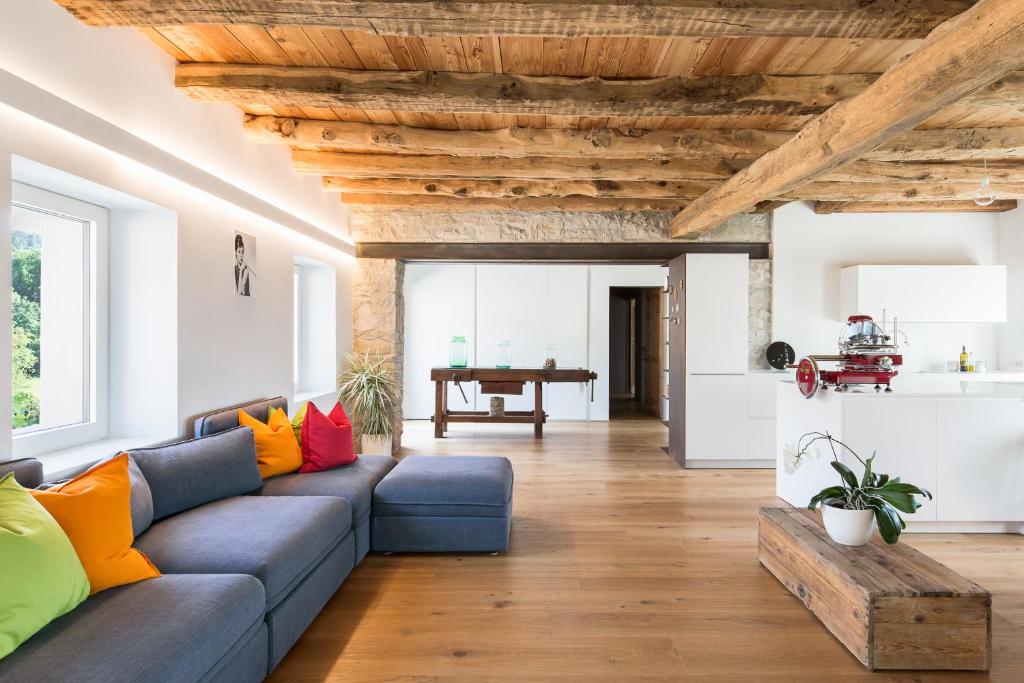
(439, 410)
(538, 410)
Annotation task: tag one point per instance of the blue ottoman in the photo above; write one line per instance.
(438, 504)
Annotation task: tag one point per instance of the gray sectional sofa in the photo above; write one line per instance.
(248, 564)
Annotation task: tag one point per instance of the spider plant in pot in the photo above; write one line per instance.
(852, 510)
(367, 389)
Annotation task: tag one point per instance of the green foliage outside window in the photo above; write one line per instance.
(25, 321)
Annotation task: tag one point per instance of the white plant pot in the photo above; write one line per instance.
(849, 527)
(376, 445)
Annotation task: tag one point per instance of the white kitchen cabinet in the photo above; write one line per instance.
(716, 417)
(980, 460)
(926, 294)
(761, 439)
(717, 312)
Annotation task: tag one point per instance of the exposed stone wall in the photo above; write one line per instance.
(378, 318)
(760, 320)
(378, 225)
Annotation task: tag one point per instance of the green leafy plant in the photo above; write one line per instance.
(886, 496)
(367, 390)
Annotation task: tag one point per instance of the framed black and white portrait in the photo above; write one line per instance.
(245, 264)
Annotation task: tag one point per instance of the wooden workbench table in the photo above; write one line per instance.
(499, 381)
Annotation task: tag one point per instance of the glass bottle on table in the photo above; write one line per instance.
(457, 355)
(504, 354)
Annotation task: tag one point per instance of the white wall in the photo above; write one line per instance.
(1011, 253)
(122, 77)
(810, 249)
(529, 305)
(150, 142)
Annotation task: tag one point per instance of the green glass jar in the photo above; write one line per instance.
(458, 356)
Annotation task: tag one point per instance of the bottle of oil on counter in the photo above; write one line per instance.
(963, 360)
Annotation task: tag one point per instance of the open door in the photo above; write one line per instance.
(675, 315)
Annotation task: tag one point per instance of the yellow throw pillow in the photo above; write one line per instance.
(297, 419)
(277, 450)
(94, 510)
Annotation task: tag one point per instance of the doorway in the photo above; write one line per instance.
(635, 352)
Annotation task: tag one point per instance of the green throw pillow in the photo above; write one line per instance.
(297, 422)
(42, 575)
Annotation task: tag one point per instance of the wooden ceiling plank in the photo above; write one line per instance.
(708, 143)
(571, 203)
(998, 206)
(961, 56)
(567, 18)
(165, 44)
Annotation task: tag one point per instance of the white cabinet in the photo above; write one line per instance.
(926, 294)
(717, 312)
(980, 460)
(716, 417)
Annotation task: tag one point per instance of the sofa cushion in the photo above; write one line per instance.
(170, 629)
(277, 451)
(189, 473)
(277, 540)
(141, 498)
(326, 440)
(354, 483)
(42, 577)
(223, 420)
(94, 510)
(28, 471)
(466, 486)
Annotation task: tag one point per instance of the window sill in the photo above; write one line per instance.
(68, 460)
(303, 396)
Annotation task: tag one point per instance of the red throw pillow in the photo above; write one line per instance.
(326, 440)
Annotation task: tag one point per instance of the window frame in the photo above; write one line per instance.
(35, 442)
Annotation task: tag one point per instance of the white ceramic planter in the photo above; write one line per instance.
(376, 445)
(849, 527)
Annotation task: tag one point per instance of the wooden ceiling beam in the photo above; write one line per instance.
(997, 206)
(376, 166)
(926, 173)
(953, 144)
(895, 192)
(529, 168)
(458, 92)
(680, 190)
(961, 56)
(571, 203)
(510, 189)
(902, 19)
(587, 143)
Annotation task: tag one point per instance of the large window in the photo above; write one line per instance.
(53, 322)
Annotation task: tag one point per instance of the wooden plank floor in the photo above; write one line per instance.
(622, 567)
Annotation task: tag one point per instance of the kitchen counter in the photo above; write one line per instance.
(962, 440)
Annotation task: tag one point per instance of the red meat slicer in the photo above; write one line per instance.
(867, 355)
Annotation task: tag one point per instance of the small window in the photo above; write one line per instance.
(52, 311)
(314, 351)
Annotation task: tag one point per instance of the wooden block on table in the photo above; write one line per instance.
(893, 607)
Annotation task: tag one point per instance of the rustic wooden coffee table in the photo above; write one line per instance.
(893, 607)
(509, 381)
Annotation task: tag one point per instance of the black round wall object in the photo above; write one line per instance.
(780, 354)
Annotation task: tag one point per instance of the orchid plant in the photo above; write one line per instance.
(886, 496)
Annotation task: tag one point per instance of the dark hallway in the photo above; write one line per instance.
(635, 348)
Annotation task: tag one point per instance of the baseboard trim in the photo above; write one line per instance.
(730, 464)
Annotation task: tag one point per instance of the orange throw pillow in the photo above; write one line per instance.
(277, 451)
(94, 510)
